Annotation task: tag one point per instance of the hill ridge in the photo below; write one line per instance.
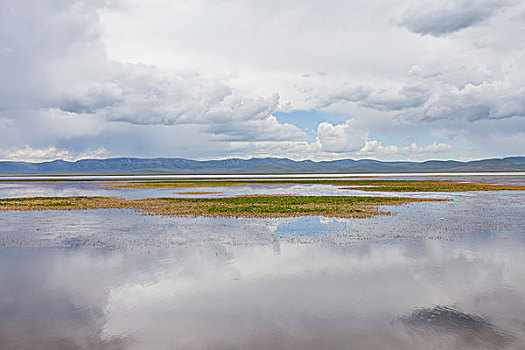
(131, 165)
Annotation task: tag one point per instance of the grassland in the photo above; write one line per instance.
(197, 192)
(243, 206)
(358, 184)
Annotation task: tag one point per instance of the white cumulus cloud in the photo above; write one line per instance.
(347, 137)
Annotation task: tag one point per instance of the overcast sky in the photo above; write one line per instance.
(208, 79)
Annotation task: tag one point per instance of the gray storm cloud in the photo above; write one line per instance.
(57, 60)
(442, 17)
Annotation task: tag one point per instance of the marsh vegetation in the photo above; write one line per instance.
(242, 206)
(353, 184)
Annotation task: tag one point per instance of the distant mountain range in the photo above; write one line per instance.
(251, 166)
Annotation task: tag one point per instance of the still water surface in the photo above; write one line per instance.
(13, 189)
(438, 275)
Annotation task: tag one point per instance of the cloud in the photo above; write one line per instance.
(48, 49)
(248, 119)
(353, 94)
(206, 79)
(452, 73)
(347, 137)
(480, 94)
(145, 95)
(441, 17)
(63, 66)
(472, 103)
(408, 96)
(375, 147)
(29, 154)
(298, 150)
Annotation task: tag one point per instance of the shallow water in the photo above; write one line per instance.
(79, 188)
(436, 275)
(281, 296)
(98, 188)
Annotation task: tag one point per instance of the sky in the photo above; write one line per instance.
(301, 79)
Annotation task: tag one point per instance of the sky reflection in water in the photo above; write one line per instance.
(275, 296)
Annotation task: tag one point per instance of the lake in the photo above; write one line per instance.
(435, 275)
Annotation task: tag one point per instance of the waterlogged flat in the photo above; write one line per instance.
(438, 274)
(478, 215)
(391, 185)
(402, 185)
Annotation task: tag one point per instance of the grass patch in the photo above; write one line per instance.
(358, 184)
(197, 192)
(244, 206)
